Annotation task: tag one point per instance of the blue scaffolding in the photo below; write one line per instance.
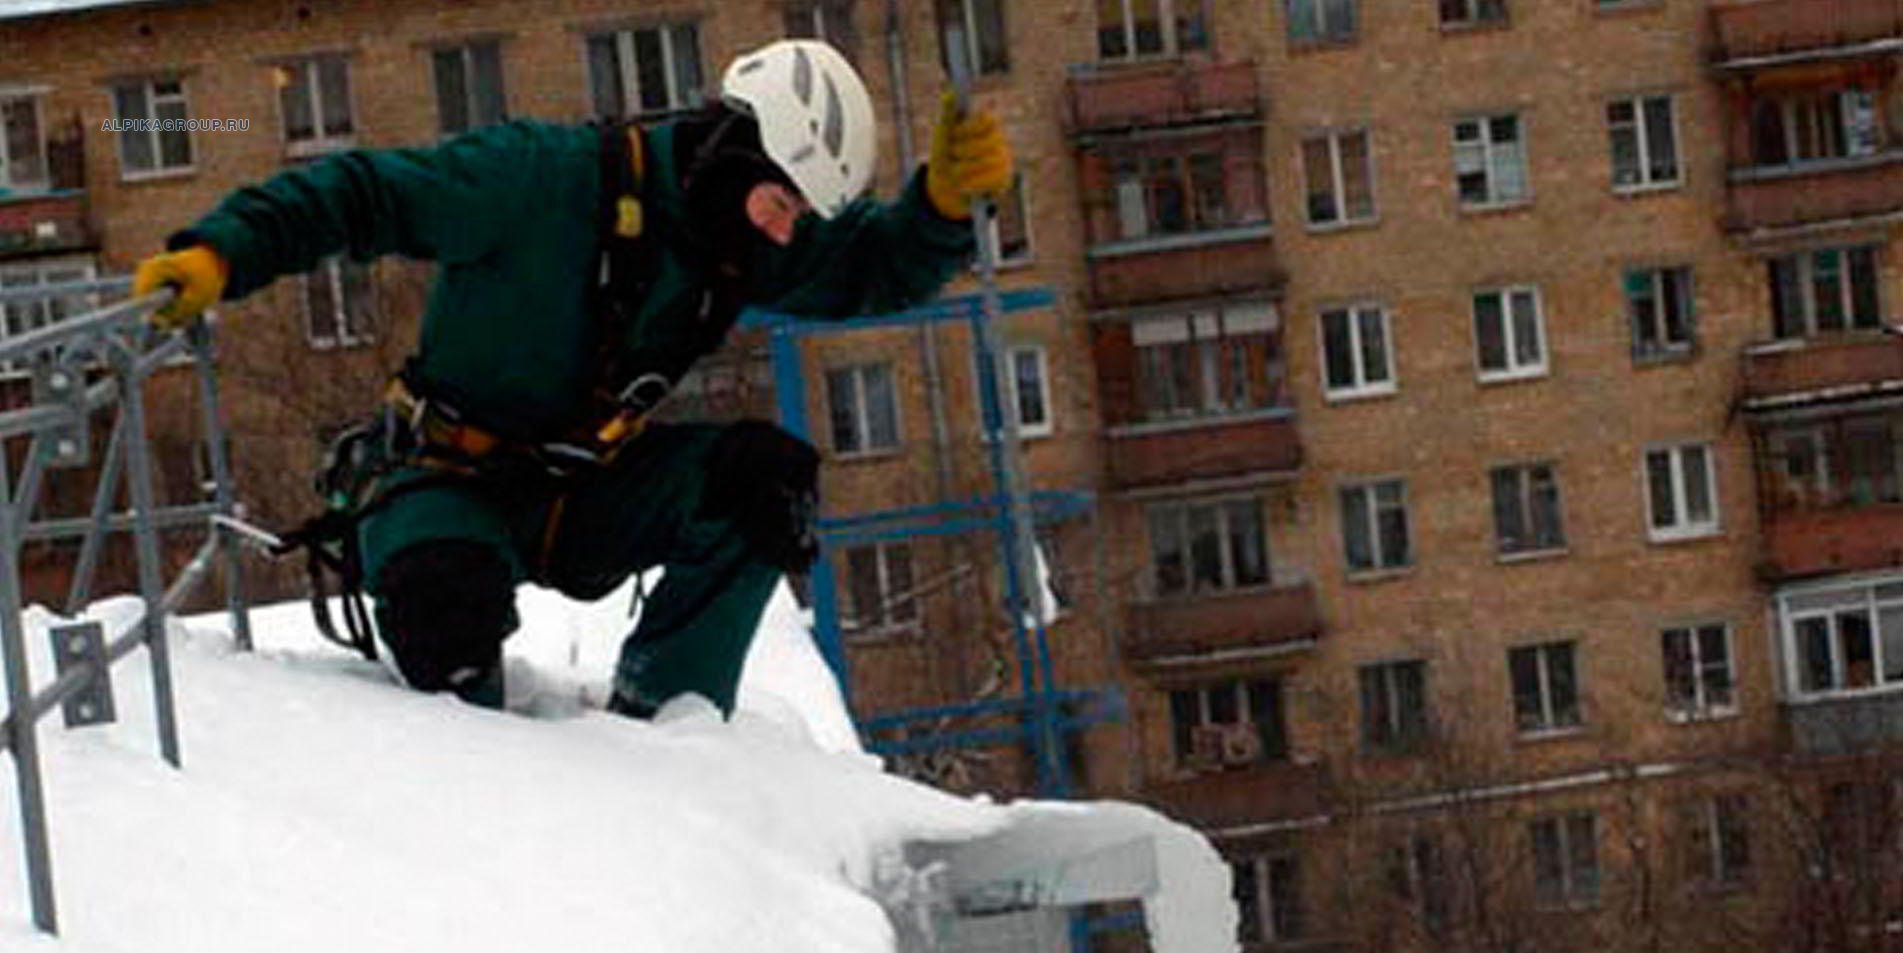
(1042, 714)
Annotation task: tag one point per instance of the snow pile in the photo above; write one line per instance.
(322, 809)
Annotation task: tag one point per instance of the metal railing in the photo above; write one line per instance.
(81, 366)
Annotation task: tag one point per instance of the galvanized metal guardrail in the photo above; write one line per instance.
(81, 366)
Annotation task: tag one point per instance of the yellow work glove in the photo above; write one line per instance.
(199, 275)
(969, 158)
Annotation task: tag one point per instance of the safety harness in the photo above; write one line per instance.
(417, 428)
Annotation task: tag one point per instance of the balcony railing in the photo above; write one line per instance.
(1742, 30)
(1804, 542)
(1210, 625)
(1238, 798)
(1236, 260)
(1203, 448)
(52, 216)
(1832, 190)
(1161, 94)
(1822, 367)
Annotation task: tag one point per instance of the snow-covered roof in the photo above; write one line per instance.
(23, 9)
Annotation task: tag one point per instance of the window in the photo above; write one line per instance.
(879, 583)
(339, 304)
(1698, 680)
(1644, 142)
(1418, 876)
(986, 48)
(1825, 291)
(1660, 304)
(1850, 461)
(1011, 226)
(1267, 894)
(828, 20)
(864, 408)
(1171, 195)
(469, 87)
(314, 96)
(1489, 161)
(1208, 365)
(1374, 526)
(1845, 640)
(1718, 840)
(1458, 13)
(1321, 21)
(1509, 335)
(1029, 393)
(1545, 687)
(1234, 723)
(1815, 126)
(1356, 359)
(1526, 509)
(1206, 547)
(1339, 168)
(21, 315)
(649, 70)
(22, 144)
(1566, 860)
(1393, 706)
(1678, 483)
(1134, 29)
(149, 151)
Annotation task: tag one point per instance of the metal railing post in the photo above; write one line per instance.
(146, 539)
(23, 738)
(224, 493)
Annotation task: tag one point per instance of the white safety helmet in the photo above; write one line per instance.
(815, 118)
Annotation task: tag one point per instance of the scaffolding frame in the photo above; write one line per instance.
(65, 355)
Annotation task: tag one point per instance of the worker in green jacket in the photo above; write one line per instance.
(580, 272)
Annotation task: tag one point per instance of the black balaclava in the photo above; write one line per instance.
(721, 160)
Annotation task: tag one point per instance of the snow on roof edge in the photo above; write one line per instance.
(30, 9)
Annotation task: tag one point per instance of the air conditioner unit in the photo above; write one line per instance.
(1241, 744)
(1205, 747)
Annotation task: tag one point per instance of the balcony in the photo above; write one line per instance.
(1235, 260)
(1250, 620)
(1203, 448)
(1843, 726)
(1761, 28)
(1822, 368)
(1837, 190)
(1177, 93)
(52, 218)
(1801, 543)
(1239, 798)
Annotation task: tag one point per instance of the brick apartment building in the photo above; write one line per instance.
(1492, 427)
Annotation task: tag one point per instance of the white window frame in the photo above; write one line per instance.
(1492, 161)
(1166, 19)
(7, 182)
(629, 73)
(1710, 818)
(1701, 707)
(331, 271)
(1019, 195)
(320, 141)
(1806, 277)
(1338, 181)
(466, 59)
(1014, 400)
(1514, 370)
(1828, 601)
(1225, 555)
(1473, 17)
(862, 414)
(892, 605)
(1213, 339)
(81, 269)
(1655, 278)
(1641, 132)
(1682, 527)
(1363, 386)
(148, 87)
(1267, 904)
(1787, 107)
(1327, 31)
(1573, 894)
(1550, 724)
(1382, 560)
(968, 14)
